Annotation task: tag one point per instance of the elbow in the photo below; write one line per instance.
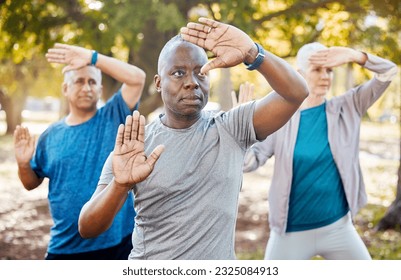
(139, 77)
(304, 93)
(88, 227)
(142, 76)
(85, 230)
(31, 185)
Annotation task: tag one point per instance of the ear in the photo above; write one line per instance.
(100, 91)
(64, 89)
(157, 83)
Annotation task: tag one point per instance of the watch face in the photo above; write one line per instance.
(258, 60)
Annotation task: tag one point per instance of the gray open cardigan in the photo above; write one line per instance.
(344, 114)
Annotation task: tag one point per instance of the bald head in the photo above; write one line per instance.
(169, 47)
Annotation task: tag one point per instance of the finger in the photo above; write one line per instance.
(234, 98)
(135, 125)
(67, 68)
(27, 134)
(197, 28)
(23, 134)
(61, 46)
(141, 131)
(119, 137)
(212, 64)
(127, 129)
(209, 22)
(193, 37)
(17, 134)
(31, 142)
(54, 56)
(154, 156)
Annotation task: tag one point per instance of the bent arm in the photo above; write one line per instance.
(98, 213)
(132, 77)
(28, 177)
(257, 155)
(290, 90)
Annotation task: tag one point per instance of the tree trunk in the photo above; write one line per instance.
(13, 108)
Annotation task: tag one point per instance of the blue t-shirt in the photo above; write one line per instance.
(72, 157)
(317, 195)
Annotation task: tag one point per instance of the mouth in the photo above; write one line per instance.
(85, 97)
(193, 99)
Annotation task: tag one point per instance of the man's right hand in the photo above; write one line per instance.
(130, 163)
(24, 145)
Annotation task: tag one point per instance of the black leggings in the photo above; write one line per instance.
(118, 252)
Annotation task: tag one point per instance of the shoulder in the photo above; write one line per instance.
(56, 126)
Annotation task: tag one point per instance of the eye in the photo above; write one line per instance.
(92, 82)
(329, 70)
(178, 73)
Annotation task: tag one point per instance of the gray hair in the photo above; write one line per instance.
(69, 75)
(305, 52)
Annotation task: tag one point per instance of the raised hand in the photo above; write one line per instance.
(230, 45)
(336, 56)
(75, 57)
(130, 163)
(245, 94)
(24, 145)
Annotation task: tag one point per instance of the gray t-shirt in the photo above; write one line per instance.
(187, 207)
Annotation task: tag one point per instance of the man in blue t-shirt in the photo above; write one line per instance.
(72, 151)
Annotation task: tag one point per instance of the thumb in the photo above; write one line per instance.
(154, 156)
(66, 69)
(234, 98)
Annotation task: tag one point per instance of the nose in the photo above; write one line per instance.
(191, 82)
(87, 86)
(325, 74)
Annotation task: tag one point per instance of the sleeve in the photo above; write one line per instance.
(116, 108)
(368, 93)
(107, 172)
(259, 153)
(39, 159)
(239, 122)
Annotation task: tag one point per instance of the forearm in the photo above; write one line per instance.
(98, 213)
(284, 79)
(28, 177)
(121, 71)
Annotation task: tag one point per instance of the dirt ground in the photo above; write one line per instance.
(25, 220)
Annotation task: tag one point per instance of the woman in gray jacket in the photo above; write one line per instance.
(317, 185)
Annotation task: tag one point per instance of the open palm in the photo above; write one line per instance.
(130, 163)
(24, 145)
(229, 44)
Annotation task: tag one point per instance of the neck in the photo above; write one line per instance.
(312, 101)
(180, 122)
(76, 118)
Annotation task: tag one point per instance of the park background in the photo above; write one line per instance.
(135, 31)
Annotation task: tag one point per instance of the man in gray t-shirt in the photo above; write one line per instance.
(186, 190)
